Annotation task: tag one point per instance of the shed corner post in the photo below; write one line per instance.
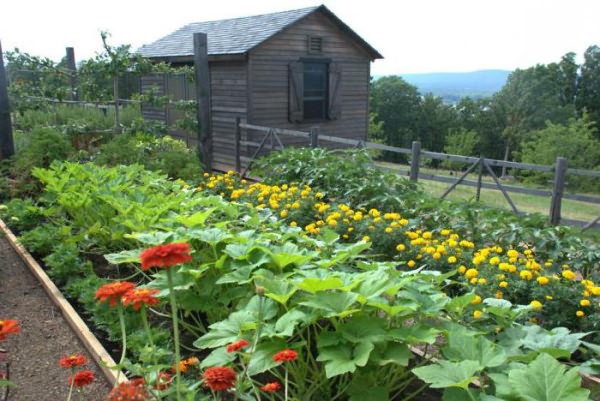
(558, 189)
(202, 75)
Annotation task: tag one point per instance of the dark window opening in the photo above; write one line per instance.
(315, 45)
(315, 90)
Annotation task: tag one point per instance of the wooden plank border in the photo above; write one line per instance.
(89, 340)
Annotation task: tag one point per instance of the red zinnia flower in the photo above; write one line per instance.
(271, 387)
(166, 255)
(72, 361)
(140, 296)
(132, 391)
(82, 378)
(219, 378)
(238, 345)
(163, 381)
(8, 327)
(113, 292)
(285, 356)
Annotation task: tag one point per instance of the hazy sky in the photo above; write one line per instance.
(413, 36)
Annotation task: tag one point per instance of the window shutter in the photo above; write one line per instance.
(296, 92)
(334, 111)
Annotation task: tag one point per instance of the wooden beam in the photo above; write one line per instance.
(203, 98)
(90, 342)
(7, 146)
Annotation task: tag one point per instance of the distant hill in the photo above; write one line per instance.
(452, 86)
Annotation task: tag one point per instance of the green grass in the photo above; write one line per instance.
(571, 209)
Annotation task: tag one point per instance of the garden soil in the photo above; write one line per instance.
(45, 337)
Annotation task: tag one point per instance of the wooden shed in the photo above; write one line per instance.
(295, 69)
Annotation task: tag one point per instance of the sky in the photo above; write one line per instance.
(414, 36)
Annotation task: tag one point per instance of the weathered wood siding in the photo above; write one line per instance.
(268, 71)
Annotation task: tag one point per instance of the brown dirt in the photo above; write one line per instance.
(45, 337)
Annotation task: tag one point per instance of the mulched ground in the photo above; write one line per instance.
(45, 337)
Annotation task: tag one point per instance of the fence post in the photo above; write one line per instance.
(415, 160)
(73, 76)
(7, 147)
(479, 177)
(314, 137)
(238, 138)
(558, 190)
(203, 98)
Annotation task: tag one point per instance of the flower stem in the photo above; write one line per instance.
(123, 338)
(72, 384)
(175, 318)
(286, 384)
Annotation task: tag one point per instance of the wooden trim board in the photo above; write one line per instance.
(89, 340)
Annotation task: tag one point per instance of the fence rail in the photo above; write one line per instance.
(559, 169)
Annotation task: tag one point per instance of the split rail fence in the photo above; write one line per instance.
(246, 152)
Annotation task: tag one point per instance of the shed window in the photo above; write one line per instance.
(315, 91)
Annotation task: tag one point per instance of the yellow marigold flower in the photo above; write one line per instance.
(471, 273)
(452, 243)
(477, 260)
(400, 247)
(283, 214)
(295, 205)
(445, 232)
(549, 297)
(585, 293)
(481, 281)
(542, 280)
(412, 234)
(476, 300)
(500, 276)
(494, 261)
(206, 175)
(477, 314)
(499, 294)
(345, 236)
(499, 249)
(527, 251)
(350, 229)
(389, 230)
(403, 222)
(293, 224)
(525, 275)
(366, 238)
(462, 269)
(332, 223)
(585, 302)
(580, 313)
(512, 268)
(436, 256)
(411, 263)
(595, 291)
(511, 253)
(451, 259)
(374, 212)
(503, 284)
(427, 235)
(473, 280)
(358, 216)
(569, 275)
(319, 195)
(536, 305)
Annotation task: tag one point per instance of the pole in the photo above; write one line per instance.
(415, 160)
(314, 137)
(479, 177)
(73, 77)
(203, 99)
(238, 138)
(7, 147)
(558, 190)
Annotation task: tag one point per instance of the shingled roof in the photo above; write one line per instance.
(238, 35)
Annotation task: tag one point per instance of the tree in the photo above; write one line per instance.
(436, 119)
(588, 92)
(460, 142)
(396, 104)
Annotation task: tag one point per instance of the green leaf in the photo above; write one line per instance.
(286, 324)
(131, 256)
(152, 238)
(459, 304)
(561, 338)
(363, 328)
(262, 357)
(240, 275)
(196, 219)
(462, 347)
(314, 285)
(415, 334)
(279, 290)
(392, 353)
(364, 391)
(333, 303)
(219, 357)
(345, 358)
(448, 374)
(545, 379)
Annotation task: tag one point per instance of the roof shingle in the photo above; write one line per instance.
(229, 36)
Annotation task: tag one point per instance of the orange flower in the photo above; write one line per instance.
(72, 361)
(82, 378)
(166, 255)
(163, 381)
(113, 292)
(8, 327)
(285, 356)
(219, 378)
(192, 360)
(134, 390)
(238, 345)
(183, 367)
(140, 296)
(271, 387)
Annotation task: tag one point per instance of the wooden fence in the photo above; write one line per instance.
(244, 157)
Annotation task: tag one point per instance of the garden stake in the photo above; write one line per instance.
(175, 320)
